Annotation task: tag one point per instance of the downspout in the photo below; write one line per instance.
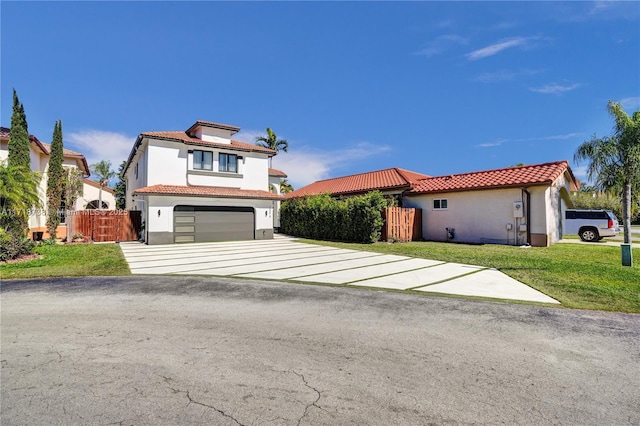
(528, 214)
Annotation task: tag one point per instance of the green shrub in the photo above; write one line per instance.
(12, 246)
(354, 219)
(602, 201)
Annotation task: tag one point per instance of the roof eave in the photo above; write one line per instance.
(483, 188)
(179, 194)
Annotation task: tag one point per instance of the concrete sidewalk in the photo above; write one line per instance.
(603, 243)
(284, 258)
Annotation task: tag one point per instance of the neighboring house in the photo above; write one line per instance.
(40, 153)
(90, 199)
(515, 205)
(201, 185)
(275, 177)
(391, 182)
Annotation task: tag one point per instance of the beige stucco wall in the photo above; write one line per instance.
(476, 216)
(482, 216)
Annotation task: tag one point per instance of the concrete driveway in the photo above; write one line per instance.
(285, 258)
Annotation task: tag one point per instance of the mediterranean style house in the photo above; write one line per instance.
(201, 185)
(40, 154)
(514, 205)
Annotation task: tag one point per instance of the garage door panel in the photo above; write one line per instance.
(207, 223)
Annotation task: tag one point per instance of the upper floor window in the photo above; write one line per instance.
(440, 204)
(203, 160)
(136, 170)
(228, 163)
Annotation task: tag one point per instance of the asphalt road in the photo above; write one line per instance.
(185, 350)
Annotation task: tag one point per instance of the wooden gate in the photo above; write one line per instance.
(107, 225)
(401, 224)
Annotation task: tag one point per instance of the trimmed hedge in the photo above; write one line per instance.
(321, 217)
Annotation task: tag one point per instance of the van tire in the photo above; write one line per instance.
(589, 234)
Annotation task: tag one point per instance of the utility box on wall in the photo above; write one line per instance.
(518, 209)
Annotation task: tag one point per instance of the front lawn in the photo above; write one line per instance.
(68, 261)
(578, 275)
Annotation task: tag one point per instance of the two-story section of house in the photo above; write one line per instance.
(40, 153)
(200, 185)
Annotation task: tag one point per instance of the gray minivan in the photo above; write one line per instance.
(591, 225)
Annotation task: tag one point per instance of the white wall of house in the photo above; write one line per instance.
(136, 177)
(166, 162)
(274, 186)
(170, 163)
(91, 193)
(209, 134)
(4, 151)
(256, 172)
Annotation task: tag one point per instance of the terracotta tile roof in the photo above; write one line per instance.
(66, 152)
(536, 174)
(277, 173)
(386, 179)
(5, 132)
(222, 126)
(45, 148)
(184, 137)
(207, 191)
(97, 185)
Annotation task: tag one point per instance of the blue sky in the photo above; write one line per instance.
(433, 87)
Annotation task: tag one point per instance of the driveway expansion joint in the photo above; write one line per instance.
(286, 260)
(449, 279)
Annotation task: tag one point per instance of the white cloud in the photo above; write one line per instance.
(305, 165)
(504, 75)
(499, 142)
(441, 44)
(555, 88)
(496, 48)
(249, 136)
(97, 145)
(632, 103)
(580, 173)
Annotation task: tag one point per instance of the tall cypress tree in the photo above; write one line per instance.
(55, 180)
(19, 153)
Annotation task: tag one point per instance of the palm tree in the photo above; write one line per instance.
(18, 194)
(102, 170)
(285, 187)
(271, 141)
(614, 161)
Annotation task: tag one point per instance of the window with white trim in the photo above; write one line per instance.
(228, 163)
(440, 204)
(202, 160)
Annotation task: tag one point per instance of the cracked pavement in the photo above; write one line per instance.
(196, 350)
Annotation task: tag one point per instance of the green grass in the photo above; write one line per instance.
(578, 275)
(70, 261)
